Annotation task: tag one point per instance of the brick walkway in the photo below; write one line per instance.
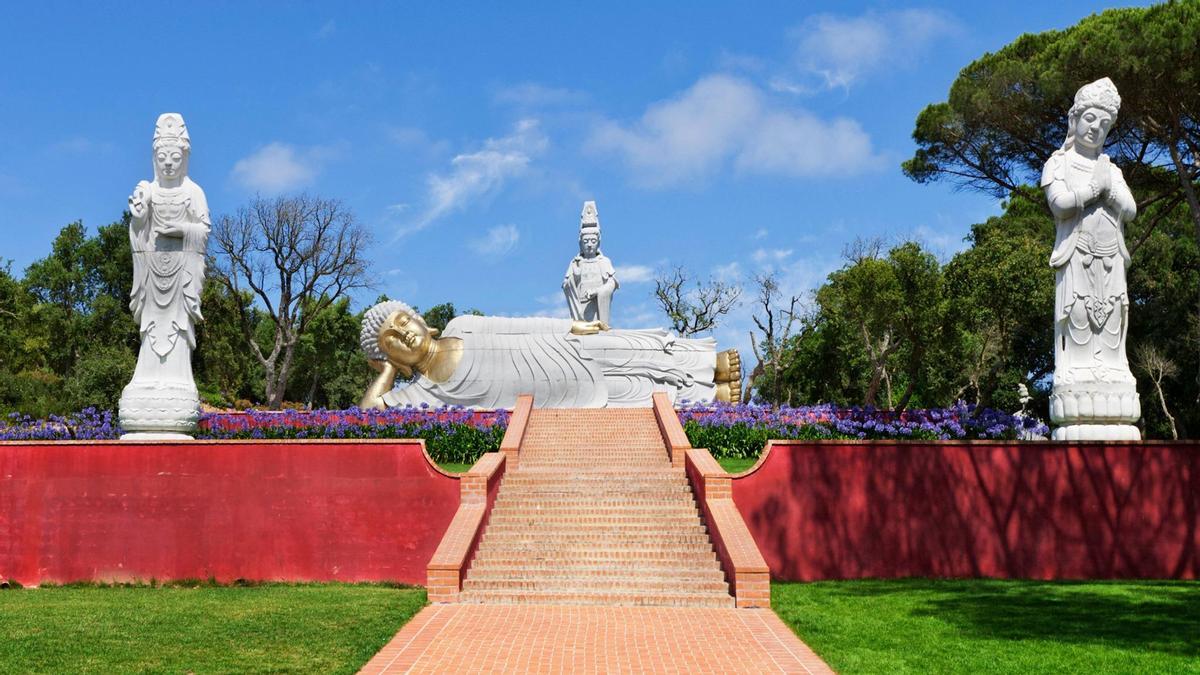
(572, 639)
(596, 559)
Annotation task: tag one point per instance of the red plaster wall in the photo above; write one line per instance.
(837, 510)
(263, 510)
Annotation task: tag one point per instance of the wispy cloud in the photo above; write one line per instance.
(837, 51)
(534, 95)
(634, 274)
(763, 255)
(725, 120)
(475, 174)
(280, 167)
(327, 30)
(80, 145)
(498, 241)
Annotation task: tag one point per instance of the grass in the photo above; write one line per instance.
(327, 628)
(988, 626)
(455, 467)
(736, 464)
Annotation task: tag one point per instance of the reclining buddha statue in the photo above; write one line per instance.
(485, 362)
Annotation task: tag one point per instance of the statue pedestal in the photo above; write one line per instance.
(158, 410)
(1095, 411)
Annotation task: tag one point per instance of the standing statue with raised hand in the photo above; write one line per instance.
(168, 231)
(590, 279)
(1094, 395)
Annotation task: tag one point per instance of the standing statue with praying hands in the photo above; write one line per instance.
(1094, 395)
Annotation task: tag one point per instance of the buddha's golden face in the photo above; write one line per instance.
(406, 339)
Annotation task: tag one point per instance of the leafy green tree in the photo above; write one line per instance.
(1006, 114)
(1001, 291)
(331, 370)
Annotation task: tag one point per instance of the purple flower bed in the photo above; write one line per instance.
(451, 434)
(743, 430)
(461, 435)
(88, 424)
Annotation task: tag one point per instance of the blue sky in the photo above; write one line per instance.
(727, 138)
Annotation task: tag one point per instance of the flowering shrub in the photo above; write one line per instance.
(451, 434)
(88, 424)
(743, 430)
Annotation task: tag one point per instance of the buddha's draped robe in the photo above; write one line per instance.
(505, 357)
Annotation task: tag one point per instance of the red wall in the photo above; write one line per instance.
(836, 510)
(281, 510)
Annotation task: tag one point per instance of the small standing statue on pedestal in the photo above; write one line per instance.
(168, 232)
(590, 279)
(1094, 396)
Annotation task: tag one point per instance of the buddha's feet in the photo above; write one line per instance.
(728, 376)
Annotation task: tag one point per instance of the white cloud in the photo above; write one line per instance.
(634, 274)
(729, 272)
(498, 241)
(763, 255)
(534, 95)
(277, 167)
(838, 50)
(723, 119)
(761, 233)
(475, 174)
(327, 29)
(79, 145)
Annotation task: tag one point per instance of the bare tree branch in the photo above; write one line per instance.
(296, 256)
(697, 309)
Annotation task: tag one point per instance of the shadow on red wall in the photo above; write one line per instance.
(837, 509)
(273, 510)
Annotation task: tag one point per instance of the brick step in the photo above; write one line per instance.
(598, 492)
(681, 573)
(713, 599)
(596, 585)
(689, 553)
(539, 503)
(590, 463)
(537, 540)
(537, 507)
(592, 480)
(614, 524)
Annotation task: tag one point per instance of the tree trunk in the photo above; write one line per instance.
(1162, 401)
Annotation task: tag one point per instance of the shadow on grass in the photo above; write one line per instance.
(1145, 615)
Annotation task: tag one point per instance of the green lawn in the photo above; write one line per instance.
(736, 464)
(455, 467)
(327, 628)
(978, 626)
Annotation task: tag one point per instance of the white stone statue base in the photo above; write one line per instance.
(1097, 432)
(144, 436)
(162, 410)
(1090, 410)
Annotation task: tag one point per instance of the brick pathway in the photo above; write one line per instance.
(595, 559)
(574, 639)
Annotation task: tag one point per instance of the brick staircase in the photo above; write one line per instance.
(593, 513)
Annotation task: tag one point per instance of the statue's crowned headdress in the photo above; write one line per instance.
(1099, 94)
(589, 220)
(170, 130)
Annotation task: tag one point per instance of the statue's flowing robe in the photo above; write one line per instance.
(1091, 304)
(503, 358)
(168, 275)
(583, 275)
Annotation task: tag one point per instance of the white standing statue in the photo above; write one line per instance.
(168, 232)
(590, 279)
(1095, 395)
